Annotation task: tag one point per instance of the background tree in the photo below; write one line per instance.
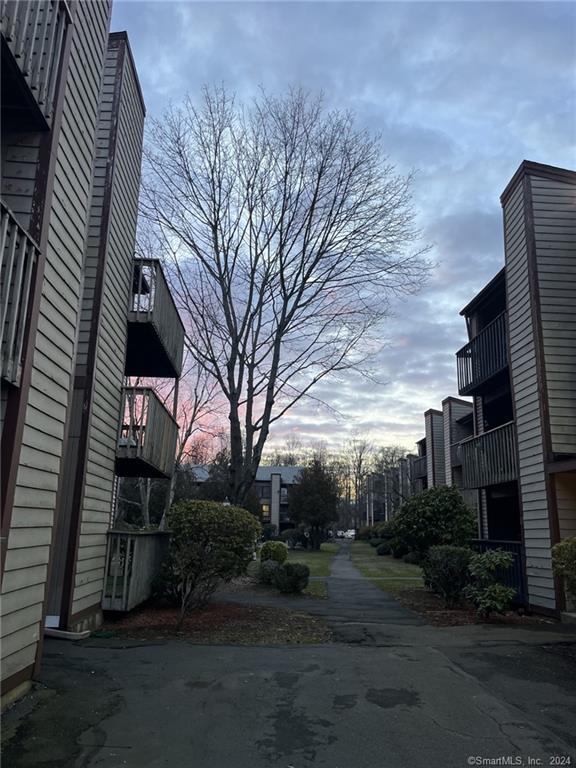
(287, 232)
(314, 500)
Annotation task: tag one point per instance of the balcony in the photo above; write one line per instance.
(133, 559)
(483, 357)
(419, 467)
(19, 256)
(147, 438)
(490, 458)
(33, 36)
(455, 457)
(155, 332)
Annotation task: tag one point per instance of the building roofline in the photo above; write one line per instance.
(529, 167)
(124, 36)
(457, 400)
(483, 292)
(433, 410)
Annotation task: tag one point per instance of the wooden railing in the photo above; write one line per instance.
(133, 559)
(148, 432)
(419, 467)
(19, 254)
(34, 32)
(483, 357)
(515, 576)
(152, 302)
(490, 458)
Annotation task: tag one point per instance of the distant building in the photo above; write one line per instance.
(272, 486)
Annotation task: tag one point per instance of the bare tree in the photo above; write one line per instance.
(286, 232)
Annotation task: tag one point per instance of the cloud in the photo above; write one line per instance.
(463, 92)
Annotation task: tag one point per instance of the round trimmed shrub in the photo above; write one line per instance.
(210, 543)
(267, 571)
(274, 550)
(375, 542)
(291, 578)
(432, 517)
(412, 558)
(291, 537)
(384, 548)
(446, 572)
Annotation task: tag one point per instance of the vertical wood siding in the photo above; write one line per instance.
(435, 448)
(122, 135)
(554, 209)
(37, 480)
(525, 385)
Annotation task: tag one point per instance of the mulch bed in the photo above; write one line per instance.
(221, 623)
(432, 609)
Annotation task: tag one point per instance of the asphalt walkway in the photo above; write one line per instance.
(392, 693)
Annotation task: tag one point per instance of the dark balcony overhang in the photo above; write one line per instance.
(33, 37)
(485, 356)
(490, 458)
(155, 342)
(147, 436)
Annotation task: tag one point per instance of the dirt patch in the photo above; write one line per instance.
(432, 608)
(222, 623)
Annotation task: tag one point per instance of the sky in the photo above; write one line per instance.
(461, 92)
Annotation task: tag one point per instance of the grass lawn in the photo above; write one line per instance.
(319, 564)
(387, 573)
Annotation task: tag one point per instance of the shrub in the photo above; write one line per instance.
(269, 531)
(274, 550)
(487, 594)
(291, 537)
(291, 577)
(436, 516)
(267, 570)
(564, 564)
(446, 572)
(398, 549)
(385, 530)
(165, 590)
(210, 543)
(384, 548)
(364, 533)
(412, 558)
(375, 542)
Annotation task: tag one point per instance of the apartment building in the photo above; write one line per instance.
(519, 366)
(76, 311)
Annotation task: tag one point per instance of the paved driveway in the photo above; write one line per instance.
(393, 693)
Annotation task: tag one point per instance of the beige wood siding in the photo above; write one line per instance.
(554, 212)
(37, 480)
(125, 137)
(524, 377)
(565, 486)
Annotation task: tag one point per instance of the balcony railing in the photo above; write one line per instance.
(155, 331)
(147, 436)
(419, 467)
(34, 32)
(19, 255)
(489, 459)
(455, 457)
(483, 357)
(133, 559)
